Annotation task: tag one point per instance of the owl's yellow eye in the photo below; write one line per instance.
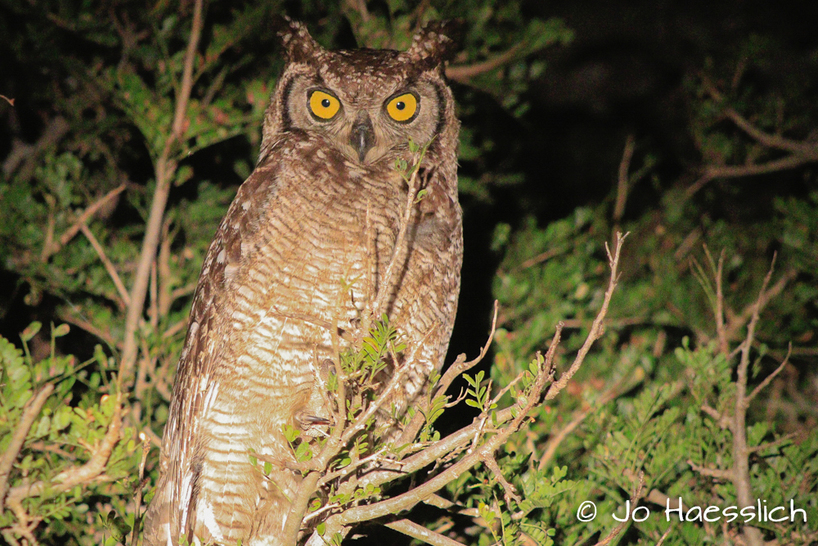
(323, 105)
(403, 107)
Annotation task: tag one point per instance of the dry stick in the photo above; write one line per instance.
(464, 73)
(771, 141)
(412, 529)
(165, 167)
(30, 412)
(770, 377)
(401, 242)
(724, 346)
(509, 491)
(517, 414)
(622, 181)
(579, 417)
(78, 475)
(146, 447)
(86, 215)
(25, 154)
(124, 297)
(741, 454)
(107, 337)
(619, 528)
(596, 327)
(739, 321)
(457, 368)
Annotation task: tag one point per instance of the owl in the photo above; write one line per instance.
(296, 269)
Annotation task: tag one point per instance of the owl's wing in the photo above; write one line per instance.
(194, 387)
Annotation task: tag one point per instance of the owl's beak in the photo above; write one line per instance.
(362, 137)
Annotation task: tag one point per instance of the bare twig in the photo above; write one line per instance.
(637, 494)
(506, 422)
(509, 491)
(737, 322)
(718, 473)
(71, 232)
(458, 367)
(723, 421)
(740, 473)
(124, 297)
(801, 153)
(20, 152)
(385, 288)
(622, 181)
(412, 529)
(724, 346)
(165, 168)
(579, 416)
(107, 337)
(770, 377)
(146, 447)
(464, 73)
(596, 327)
(90, 472)
(30, 412)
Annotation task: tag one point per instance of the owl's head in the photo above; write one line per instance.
(366, 103)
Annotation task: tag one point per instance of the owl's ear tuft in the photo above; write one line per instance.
(298, 45)
(436, 42)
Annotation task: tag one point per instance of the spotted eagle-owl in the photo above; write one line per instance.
(300, 257)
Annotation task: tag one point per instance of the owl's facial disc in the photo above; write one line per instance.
(362, 136)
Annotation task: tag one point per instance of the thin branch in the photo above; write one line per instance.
(385, 288)
(622, 180)
(766, 139)
(31, 410)
(767, 445)
(596, 327)
(741, 465)
(509, 491)
(770, 377)
(637, 494)
(464, 73)
(738, 322)
(146, 447)
(20, 152)
(125, 298)
(718, 473)
(83, 218)
(772, 141)
(107, 337)
(723, 421)
(89, 472)
(412, 529)
(165, 167)
(556, 439)
(724, 346)
(458, 367)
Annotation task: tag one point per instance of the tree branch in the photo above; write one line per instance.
(505, 422)
(741, 454)
(124, 297)
(596, 327)
(463, 73)
(165, 168)
(412, 529)
(31, 410)
(90, 471)
(70, 233)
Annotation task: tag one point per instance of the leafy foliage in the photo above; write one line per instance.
(646, 419)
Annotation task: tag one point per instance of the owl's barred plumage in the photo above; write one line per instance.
(298, 258)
